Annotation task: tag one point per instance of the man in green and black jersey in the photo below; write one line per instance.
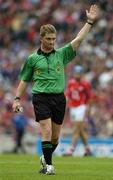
(45, 68)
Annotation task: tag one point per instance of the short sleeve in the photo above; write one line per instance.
(26, 72)
(68, 53)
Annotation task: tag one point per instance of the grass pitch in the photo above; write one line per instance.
(25, 167)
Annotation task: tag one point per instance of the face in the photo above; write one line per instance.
(77, 76)
(48, 41)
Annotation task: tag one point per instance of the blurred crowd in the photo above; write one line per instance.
(20, 21)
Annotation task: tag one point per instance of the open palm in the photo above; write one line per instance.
(93, 13)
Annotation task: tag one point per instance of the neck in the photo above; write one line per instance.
(45, 50)
(78, 79)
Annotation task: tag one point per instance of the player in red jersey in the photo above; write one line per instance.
(78, 93)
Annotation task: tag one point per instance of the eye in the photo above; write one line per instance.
(49, 39)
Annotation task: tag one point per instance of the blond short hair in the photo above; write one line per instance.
(47, 29)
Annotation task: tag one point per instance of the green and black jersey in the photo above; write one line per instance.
(47, 71)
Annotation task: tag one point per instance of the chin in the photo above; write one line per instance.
(50, 49)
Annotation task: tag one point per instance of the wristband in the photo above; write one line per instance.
(90, 23)
(17, 98)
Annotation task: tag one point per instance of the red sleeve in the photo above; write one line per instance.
(91, 94)
(67, 91)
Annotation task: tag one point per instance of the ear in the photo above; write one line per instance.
(40, 39)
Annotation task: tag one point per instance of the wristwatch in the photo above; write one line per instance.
(91, 23)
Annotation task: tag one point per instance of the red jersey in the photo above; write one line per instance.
(78, 92)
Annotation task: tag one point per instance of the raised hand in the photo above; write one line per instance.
(93, 13)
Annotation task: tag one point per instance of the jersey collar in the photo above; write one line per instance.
(39, 51)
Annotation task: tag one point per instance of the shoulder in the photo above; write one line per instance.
(31, 56)
(66, 46)
(86, 83)
(71, 81)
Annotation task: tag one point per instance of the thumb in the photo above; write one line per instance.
(86, 11)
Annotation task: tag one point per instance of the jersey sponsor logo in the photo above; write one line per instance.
(58, 67)
(38, 71)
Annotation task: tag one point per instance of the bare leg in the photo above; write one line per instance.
(46, 129)
(56, 129)
(84, 137)
(76, 133)
(75, 136)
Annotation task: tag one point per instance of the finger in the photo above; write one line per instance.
(91, 8)
(15, 109)
(87, 12)
(95, 7)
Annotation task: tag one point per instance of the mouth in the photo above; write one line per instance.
(51, 46)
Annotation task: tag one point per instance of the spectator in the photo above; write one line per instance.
(20, 123)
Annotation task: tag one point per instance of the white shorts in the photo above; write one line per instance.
(78, 113)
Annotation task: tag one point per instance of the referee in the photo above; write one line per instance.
(45, 68)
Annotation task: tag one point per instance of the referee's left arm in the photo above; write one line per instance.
(92, 15)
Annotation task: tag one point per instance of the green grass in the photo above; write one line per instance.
(25, 167)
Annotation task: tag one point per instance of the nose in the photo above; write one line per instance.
(51, 43)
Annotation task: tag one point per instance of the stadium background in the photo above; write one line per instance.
(20, 21)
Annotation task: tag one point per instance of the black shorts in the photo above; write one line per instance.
(49, 106)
